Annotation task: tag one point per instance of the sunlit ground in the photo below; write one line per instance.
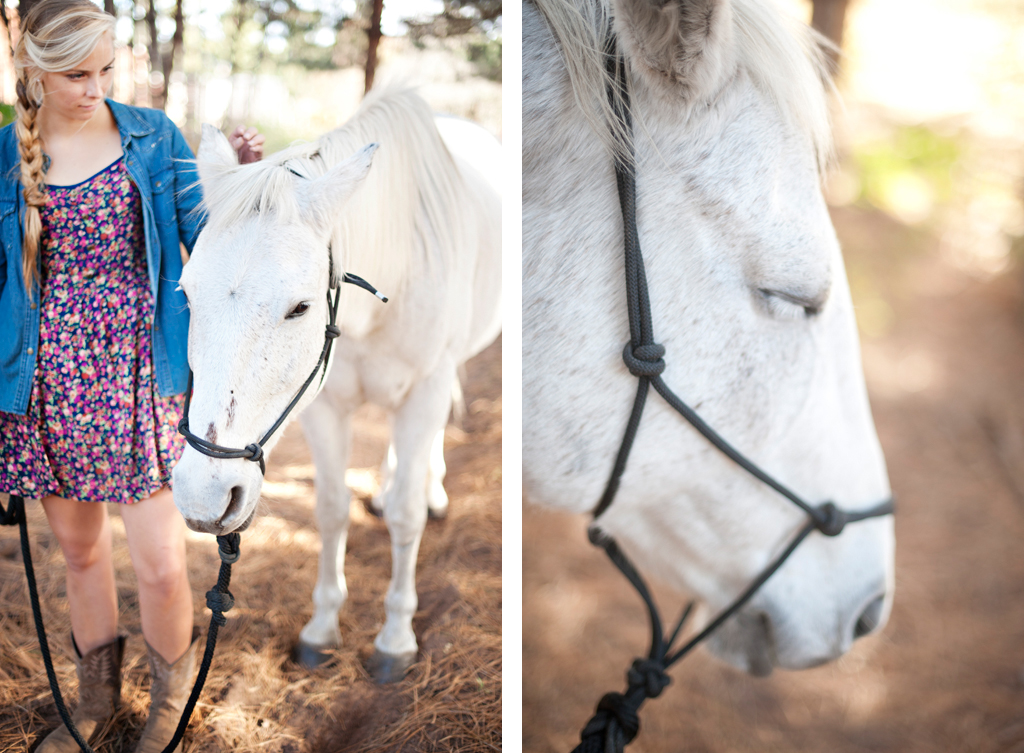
(932, 124)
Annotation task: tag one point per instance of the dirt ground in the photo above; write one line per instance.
(947, 674)
(256, 699)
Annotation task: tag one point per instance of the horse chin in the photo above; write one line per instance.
(745, 642)
(748, 641)
(201, 526)
(245, 523)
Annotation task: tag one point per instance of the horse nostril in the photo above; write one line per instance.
(234, 504)
(870, 618)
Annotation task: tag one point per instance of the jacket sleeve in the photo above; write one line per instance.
(3, 266)
(188, 194)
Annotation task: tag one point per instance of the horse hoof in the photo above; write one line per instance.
(386, 668)
(310, 656)
(437, 514)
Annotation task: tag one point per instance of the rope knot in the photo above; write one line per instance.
(616, 721)
(228, 547)
(644, 360)
(332, 332)
(14, 513)
(255, 452)
(219, 602)
(183, 425)
(648, 674)
(831, 520)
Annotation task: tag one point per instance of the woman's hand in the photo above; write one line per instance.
(248, 144)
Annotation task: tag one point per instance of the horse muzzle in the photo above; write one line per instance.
(761, 637)
(216, 496)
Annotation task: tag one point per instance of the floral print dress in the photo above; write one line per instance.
(97, 430)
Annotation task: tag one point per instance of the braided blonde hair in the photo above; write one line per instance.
(56, 35)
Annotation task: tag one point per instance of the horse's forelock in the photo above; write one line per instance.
(234, 193)
(784, 58)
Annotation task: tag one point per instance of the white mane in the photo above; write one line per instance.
(413, 177)
(783, 57)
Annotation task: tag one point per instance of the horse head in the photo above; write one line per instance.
(750, 301)
(258, 284)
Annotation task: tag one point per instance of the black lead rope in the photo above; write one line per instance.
(218, 599)
(616, 722)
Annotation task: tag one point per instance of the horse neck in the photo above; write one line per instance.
(402, 221)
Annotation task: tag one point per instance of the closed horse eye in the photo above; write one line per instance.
(790, 306)
(298, 311)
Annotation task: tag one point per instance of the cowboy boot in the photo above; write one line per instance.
(99, 695)
(170, 685)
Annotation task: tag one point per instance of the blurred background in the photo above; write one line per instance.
(927, 202)
(293, 68)
(296, 69)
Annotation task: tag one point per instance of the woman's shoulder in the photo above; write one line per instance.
(140, 121)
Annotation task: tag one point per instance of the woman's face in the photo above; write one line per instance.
(76, 93)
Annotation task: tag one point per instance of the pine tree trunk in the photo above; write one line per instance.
(4, 11)
(828, 18)
(153, 47)
(177, 41)
(374, 36)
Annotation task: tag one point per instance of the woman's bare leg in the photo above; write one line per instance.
(83, 533)
(156, 542)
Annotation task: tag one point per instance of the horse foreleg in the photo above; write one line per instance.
(415, 426)
(437, 497)
(329, 440)
(387, 472)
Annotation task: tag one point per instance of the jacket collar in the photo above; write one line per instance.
(129, 122)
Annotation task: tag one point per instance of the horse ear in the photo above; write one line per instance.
(685, 46)
(214, 152)
(329, 192)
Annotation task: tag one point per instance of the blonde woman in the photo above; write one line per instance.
(94, 200)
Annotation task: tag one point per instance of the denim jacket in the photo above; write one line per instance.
(158, 162)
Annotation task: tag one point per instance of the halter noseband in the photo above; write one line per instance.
(616, 722)
(254, 451)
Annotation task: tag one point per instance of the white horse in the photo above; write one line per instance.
(749, 298)
(425, 228)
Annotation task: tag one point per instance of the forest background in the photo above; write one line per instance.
(293, 68)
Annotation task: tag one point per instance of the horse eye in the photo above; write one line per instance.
(789, 306)
(298, 311)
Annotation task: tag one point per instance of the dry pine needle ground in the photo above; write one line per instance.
(256, 699)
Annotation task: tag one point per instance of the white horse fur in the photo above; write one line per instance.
(425, 228)
(749, 298)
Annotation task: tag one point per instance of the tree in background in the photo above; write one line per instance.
(458, 17)
(373, 35)
(828, 18)
(473, 18)
(168, 58)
